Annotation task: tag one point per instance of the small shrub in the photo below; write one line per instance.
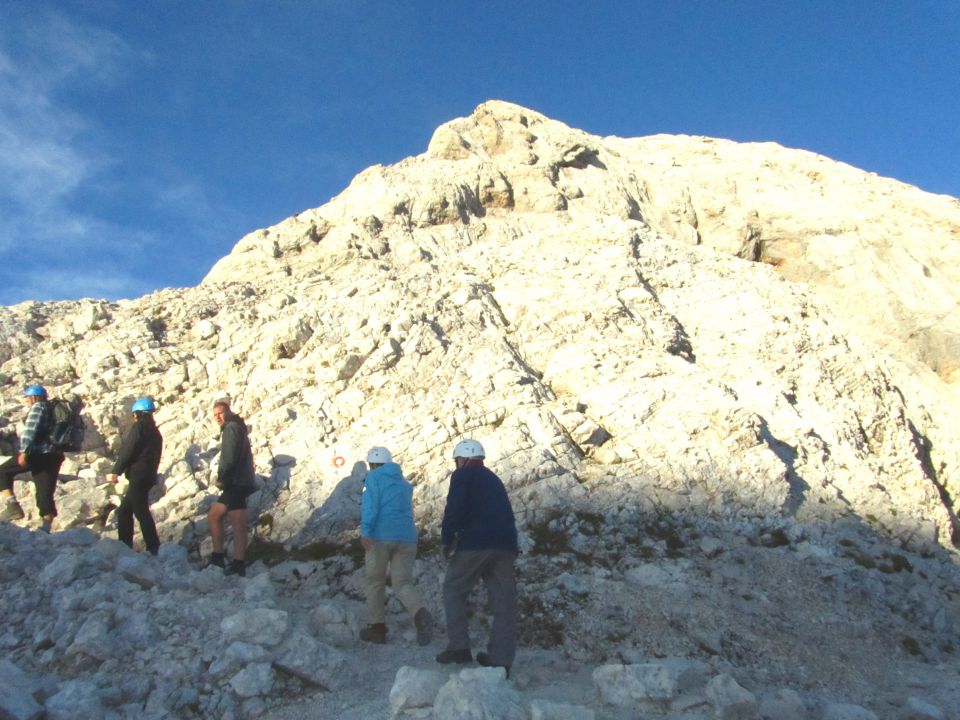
(911, 646)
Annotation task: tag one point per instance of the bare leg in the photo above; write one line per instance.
(238, 521)
(215, 522)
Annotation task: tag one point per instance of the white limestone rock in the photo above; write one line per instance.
(76, 700)
(546, 710)
(642, 686)
(255, 679)
(95, 637)
(783, 704)
(237, 655)
(260, 626)
(730, 700)
(415, 688)
(138, 569)
(334, 620)
(847, 711)
(17, 690)
(919, 709)
(260, 590)
(326, 665)
(476, 694)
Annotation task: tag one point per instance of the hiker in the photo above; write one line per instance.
(389, 537)
(139, 460)
(38, 456)
(236, 479)
(479, 537)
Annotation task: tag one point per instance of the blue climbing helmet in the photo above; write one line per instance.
(34, 391)
(144, 404)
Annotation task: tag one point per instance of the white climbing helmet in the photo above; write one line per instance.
(379, 455)
(469, 449)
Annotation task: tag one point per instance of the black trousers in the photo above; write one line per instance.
(44, 467)
(136, 504)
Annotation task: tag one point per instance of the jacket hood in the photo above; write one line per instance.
(387, 471)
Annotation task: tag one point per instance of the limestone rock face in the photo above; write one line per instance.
(664, 324)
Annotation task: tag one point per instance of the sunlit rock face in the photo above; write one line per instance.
(651, 325)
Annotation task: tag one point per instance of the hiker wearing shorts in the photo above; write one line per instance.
(236, 480)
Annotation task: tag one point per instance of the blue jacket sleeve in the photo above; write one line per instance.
(369, 505)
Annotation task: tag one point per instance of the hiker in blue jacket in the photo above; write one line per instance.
(479, 536)
(37, 456)
(388, 535)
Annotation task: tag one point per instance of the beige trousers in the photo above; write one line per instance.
(400, 557)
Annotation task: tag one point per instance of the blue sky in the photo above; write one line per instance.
(139, 140)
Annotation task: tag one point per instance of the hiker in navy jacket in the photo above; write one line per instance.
(388, 535)
(479, 536)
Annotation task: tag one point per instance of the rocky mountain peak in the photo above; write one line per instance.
(674, 349)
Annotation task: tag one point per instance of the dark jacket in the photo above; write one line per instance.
(478, 515)
(236, 458)
(139, 456)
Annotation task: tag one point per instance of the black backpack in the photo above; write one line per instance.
(8, 443)
(66, 424)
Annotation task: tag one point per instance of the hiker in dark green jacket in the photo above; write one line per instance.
(236, 479)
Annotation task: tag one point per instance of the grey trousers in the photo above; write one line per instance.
(495, 568)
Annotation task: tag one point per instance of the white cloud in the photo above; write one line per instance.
(42, 155)
(49, 150)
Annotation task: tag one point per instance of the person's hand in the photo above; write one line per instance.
(367, 543)
(22, 459)
(111, 477)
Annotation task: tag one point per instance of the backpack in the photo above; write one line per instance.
(8, 443)
(66, 424)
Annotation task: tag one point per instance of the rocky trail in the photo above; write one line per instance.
(666, 617)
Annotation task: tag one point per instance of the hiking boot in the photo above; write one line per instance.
(423, 621)
(484, 660)
(376, 633)
(236, 567)
(217, 560)
(454, 656)
(11, 510)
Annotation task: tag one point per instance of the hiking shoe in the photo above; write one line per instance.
(484, 660)
(454, 656)
(12, 510)
(217, 560)
(423, 621)
(376, 633)
(236, 567)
